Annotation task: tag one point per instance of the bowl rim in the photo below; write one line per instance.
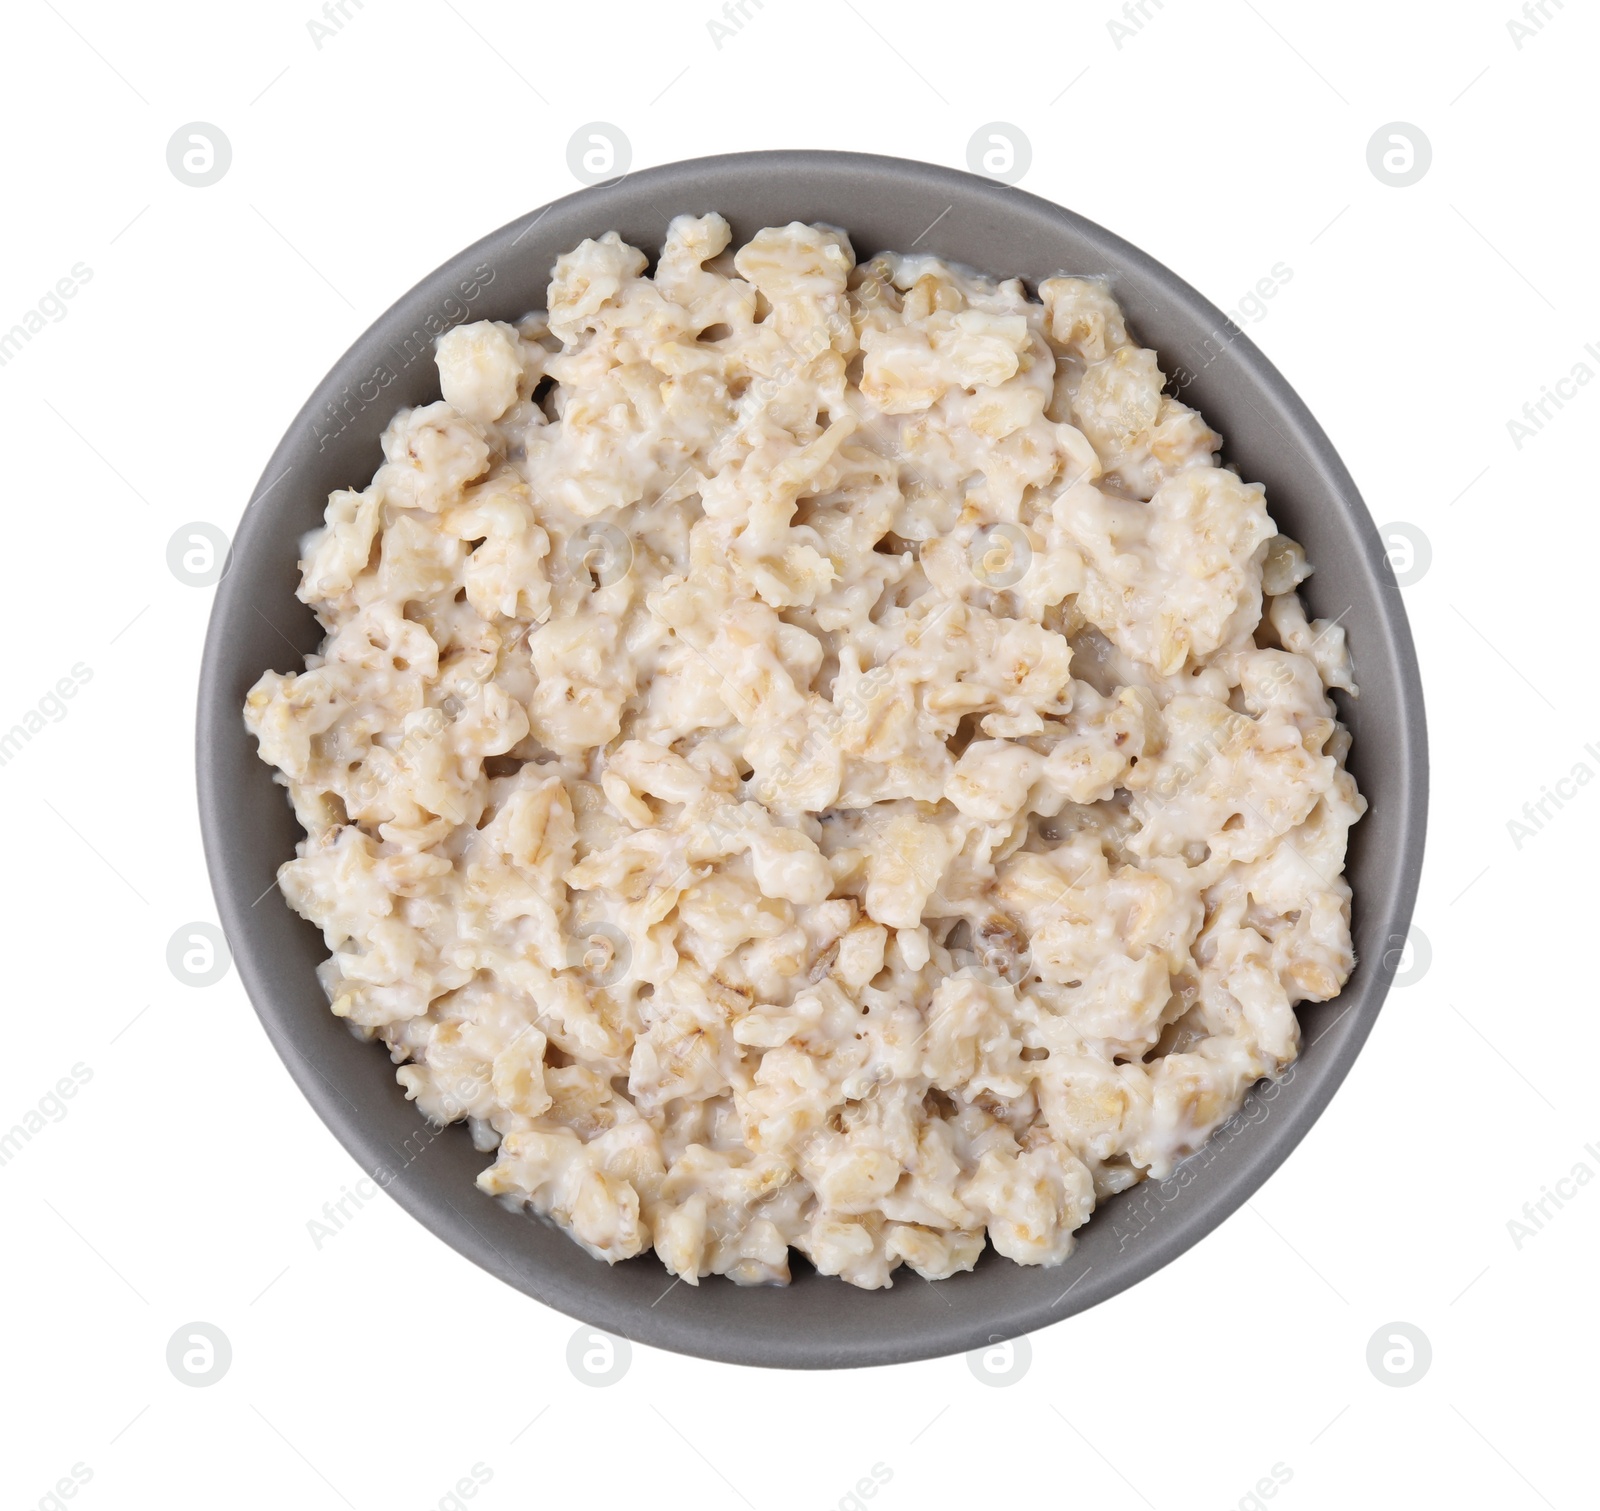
(1006, 1315)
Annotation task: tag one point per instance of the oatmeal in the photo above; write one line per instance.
(814, 756)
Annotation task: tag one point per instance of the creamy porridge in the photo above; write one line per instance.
(814, 756)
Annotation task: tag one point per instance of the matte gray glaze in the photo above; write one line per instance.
(256, 622)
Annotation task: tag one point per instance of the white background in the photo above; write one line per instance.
(373, 1372)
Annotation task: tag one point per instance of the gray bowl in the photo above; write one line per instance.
(885, 204)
